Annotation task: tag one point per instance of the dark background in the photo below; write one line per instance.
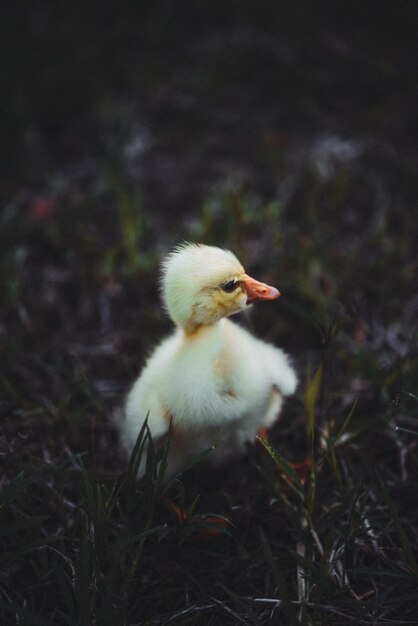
(210, 81)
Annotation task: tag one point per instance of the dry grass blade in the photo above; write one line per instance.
(402, 534)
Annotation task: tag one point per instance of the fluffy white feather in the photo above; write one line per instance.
(217, 383)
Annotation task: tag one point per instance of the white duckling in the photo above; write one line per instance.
(216, 383)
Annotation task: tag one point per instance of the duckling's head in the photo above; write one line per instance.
(201, 284)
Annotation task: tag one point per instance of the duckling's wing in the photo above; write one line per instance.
(283, 374)
(144, 400)
(273, 365)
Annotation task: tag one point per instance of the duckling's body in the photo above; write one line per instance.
(217, 383)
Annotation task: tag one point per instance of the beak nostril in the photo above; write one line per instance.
(259, 291)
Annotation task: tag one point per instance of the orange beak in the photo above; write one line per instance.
(259, 291)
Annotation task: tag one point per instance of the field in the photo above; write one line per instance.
(286, 135)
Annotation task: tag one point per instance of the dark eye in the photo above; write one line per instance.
(230, 286)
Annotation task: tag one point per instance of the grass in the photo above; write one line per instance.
(82, 541)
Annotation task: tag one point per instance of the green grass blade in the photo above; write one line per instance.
(290, 475)
(313, 387)
(83, 587)
(137, 453)
(346, 422)
(88, 488)
(195, 460)
(280, 582)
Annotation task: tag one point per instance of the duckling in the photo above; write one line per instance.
(216, 383)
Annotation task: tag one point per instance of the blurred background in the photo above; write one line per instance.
(184, 95)
(285, 131)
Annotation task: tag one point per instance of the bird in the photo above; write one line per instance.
(211, 384)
